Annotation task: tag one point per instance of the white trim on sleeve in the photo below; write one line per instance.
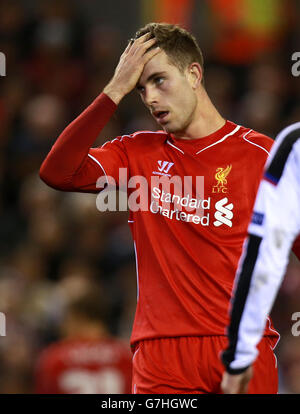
(253, 143)
(99, 163)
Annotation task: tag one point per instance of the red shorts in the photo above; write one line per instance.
(192, 365)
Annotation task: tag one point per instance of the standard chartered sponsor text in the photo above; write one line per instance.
(176, 198)
(177, 201)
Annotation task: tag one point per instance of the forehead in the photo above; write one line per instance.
(159, 63)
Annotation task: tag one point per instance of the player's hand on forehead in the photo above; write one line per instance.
(137, 52)
(130, 66)
(141, 39)
(141, 44)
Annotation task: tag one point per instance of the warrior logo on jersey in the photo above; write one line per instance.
(221, 177)
(163, 167)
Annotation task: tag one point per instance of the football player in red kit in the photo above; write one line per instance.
(87, 360)
(187, 246)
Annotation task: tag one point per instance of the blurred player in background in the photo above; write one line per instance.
(271, 234)
(186, 261)
(87, 360)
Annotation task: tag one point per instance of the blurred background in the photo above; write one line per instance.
(56, 248)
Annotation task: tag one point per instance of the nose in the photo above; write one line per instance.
(150, 96)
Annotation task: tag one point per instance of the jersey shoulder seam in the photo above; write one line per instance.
(251, 139)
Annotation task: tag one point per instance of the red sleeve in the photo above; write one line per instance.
(296, 247)
(72, 165)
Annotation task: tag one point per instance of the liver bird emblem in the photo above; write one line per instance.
(221, 174)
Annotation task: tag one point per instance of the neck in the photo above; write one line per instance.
(206, 119)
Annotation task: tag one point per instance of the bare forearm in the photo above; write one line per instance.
(114, 92)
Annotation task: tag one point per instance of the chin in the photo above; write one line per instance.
(169, 128)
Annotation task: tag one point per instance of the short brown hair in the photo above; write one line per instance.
(180, 45)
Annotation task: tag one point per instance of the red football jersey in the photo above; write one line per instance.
(84, 367)
(186, 260)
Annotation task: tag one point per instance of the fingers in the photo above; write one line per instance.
(142, 44)
(243, 389)
(136, 41)
(150, 54)
(236, 384)
(128, 46)
(231, 384)
(143, 48)
(142, 39)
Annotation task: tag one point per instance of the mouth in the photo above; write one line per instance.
(160, 116)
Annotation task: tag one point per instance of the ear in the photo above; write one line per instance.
(194, 74)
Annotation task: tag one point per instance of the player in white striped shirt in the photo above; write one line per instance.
(272, 233)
